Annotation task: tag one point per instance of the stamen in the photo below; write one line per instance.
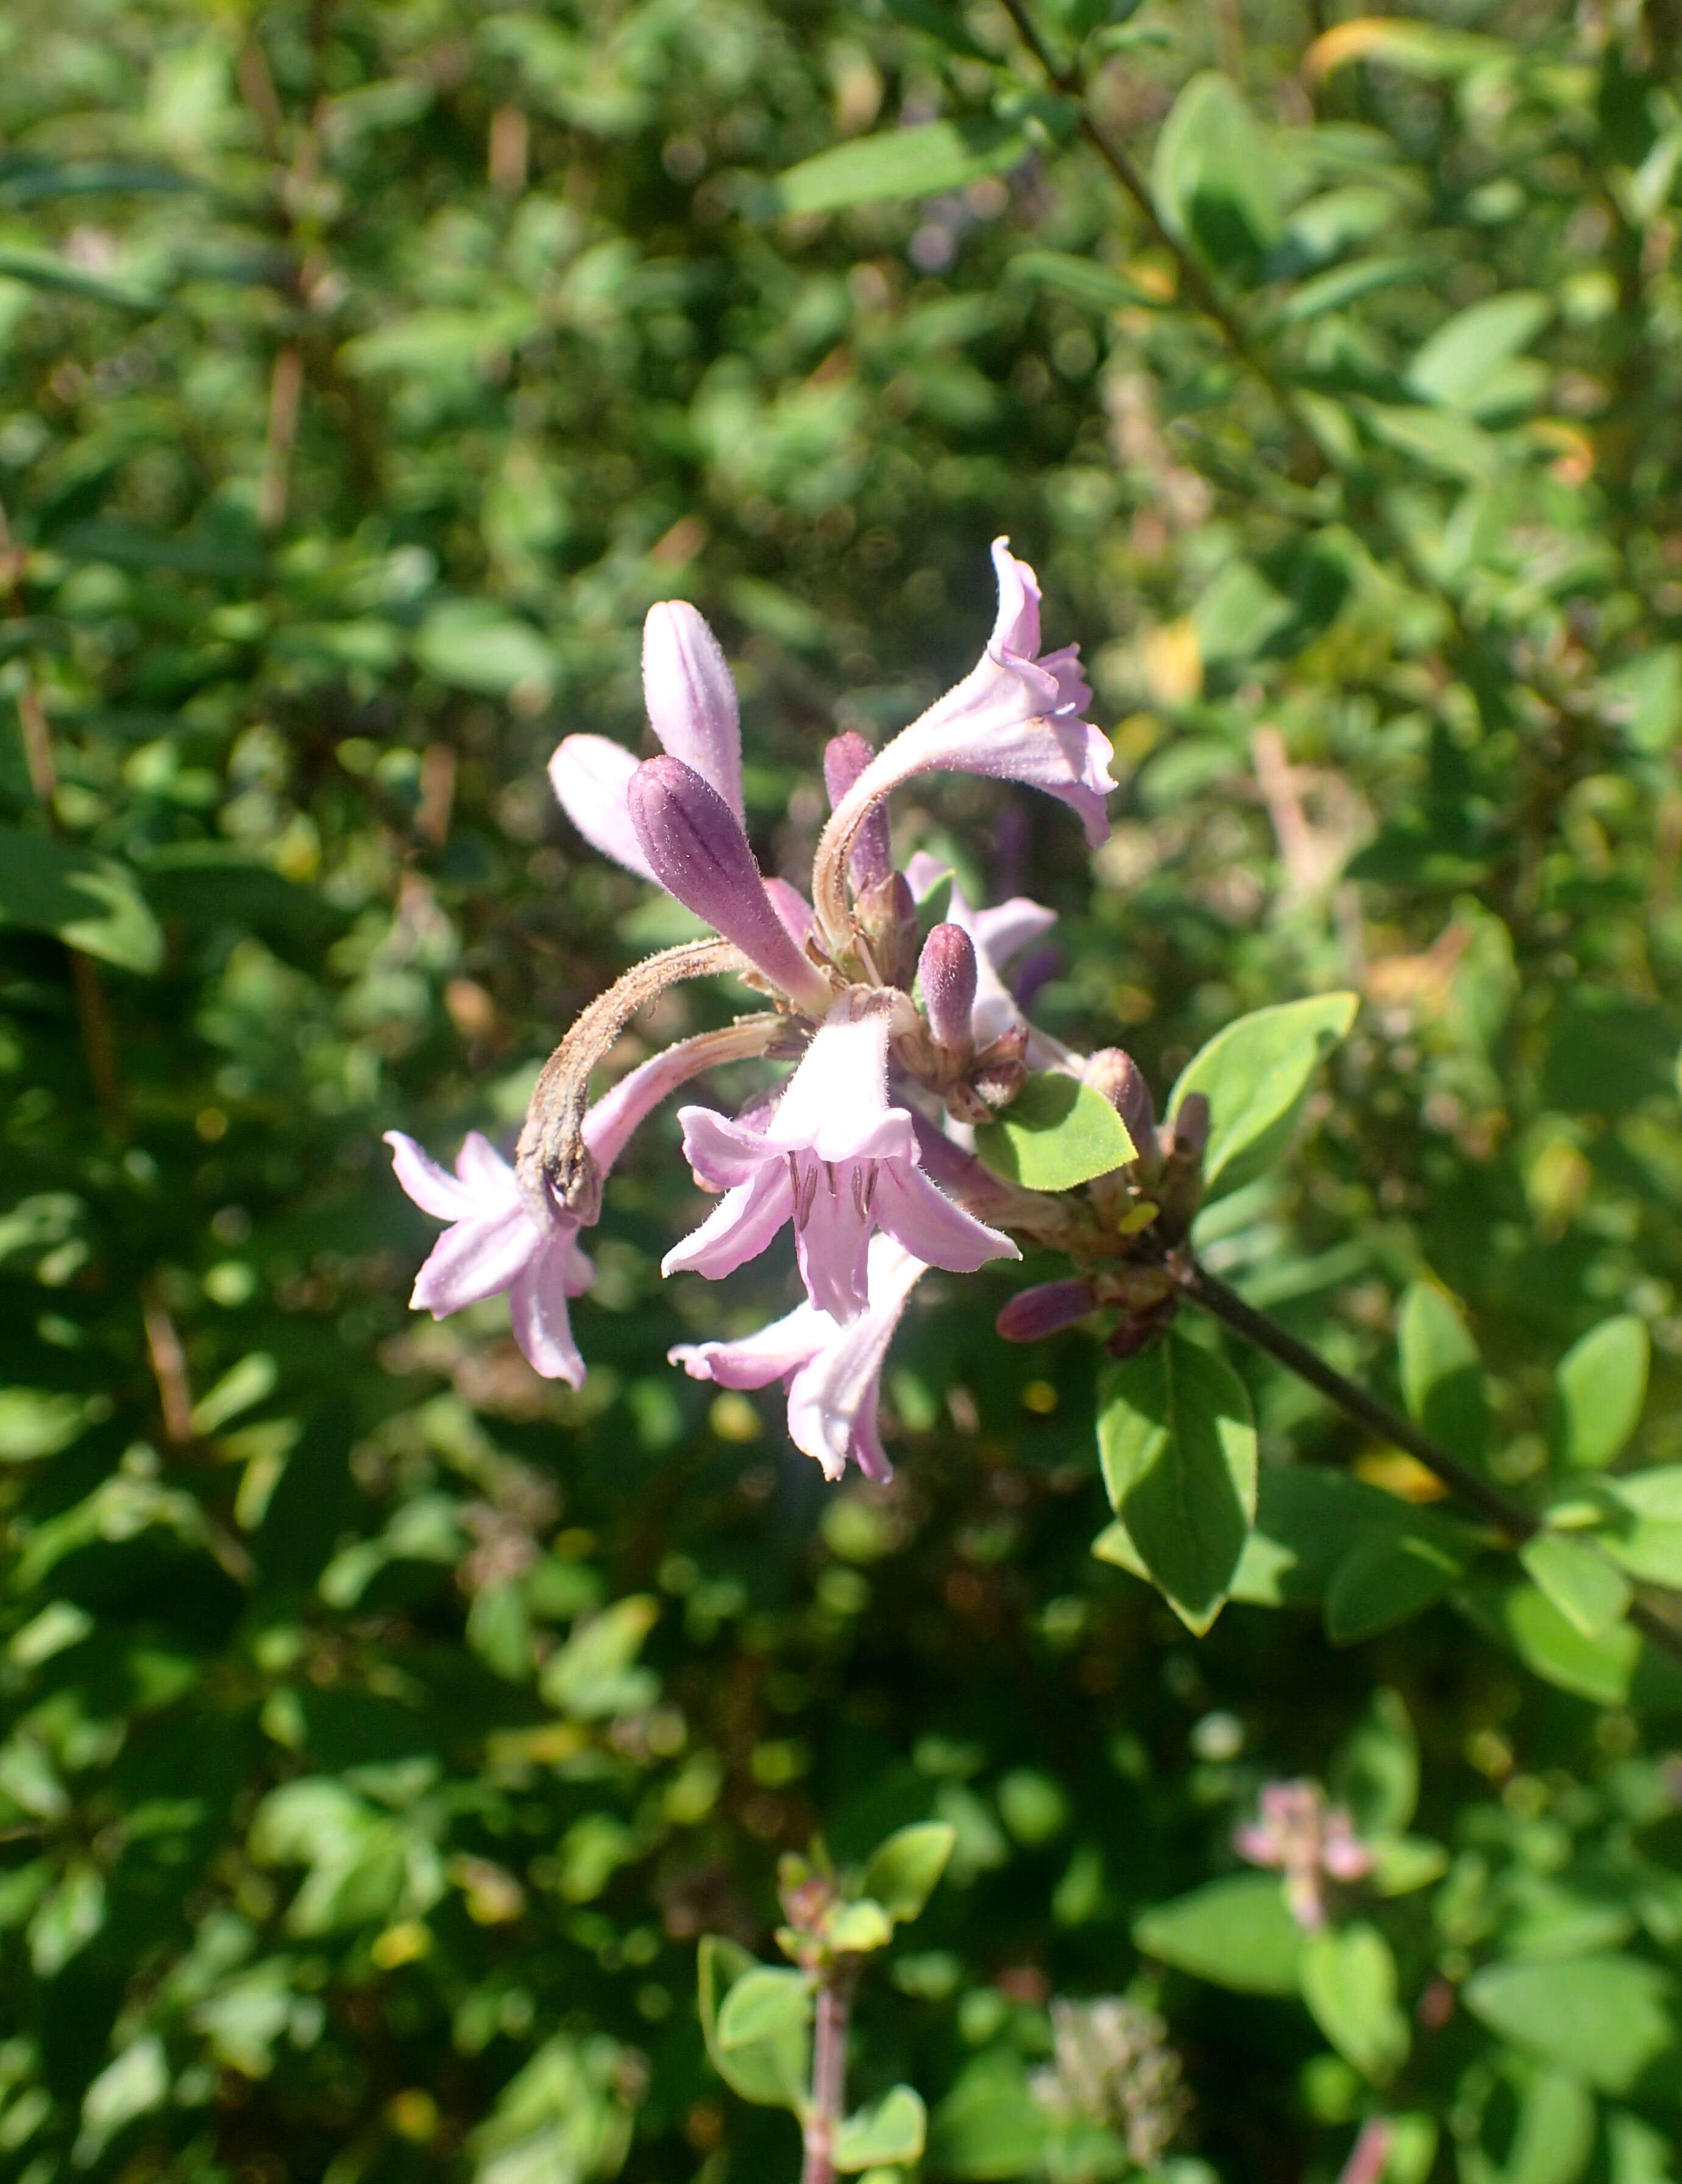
(807, 1195)
(829, 1176)
(858, 1180)
(870, 1187)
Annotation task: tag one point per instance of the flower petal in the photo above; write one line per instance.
(830, 1243)
(721, 1154)
(756, 1360)
(486, 1172)
(932, 1227)
(536, 1303)
(836, 1104)
(474, 1260)
(833, 1400)
(737, 1229)
(590, 776)
(433, 1189)
(691, 698)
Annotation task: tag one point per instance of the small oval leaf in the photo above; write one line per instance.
(1055, 1134)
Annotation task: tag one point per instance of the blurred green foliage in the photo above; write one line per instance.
(383, 1727)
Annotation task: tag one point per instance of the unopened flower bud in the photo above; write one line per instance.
(886, 915)
(1191, 1127)
(845, 759)
(1120, 1080)
(698, 852)
(691, 698)
(1045, 1309)
(947, 970)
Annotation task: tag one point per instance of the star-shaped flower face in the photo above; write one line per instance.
(495, 1243)
(838, 1159)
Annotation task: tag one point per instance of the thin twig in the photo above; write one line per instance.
(1510, 1518)
(829, 2079)
(169, 1363)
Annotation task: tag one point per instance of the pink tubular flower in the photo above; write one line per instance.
(833, 1367)
(693, 709)
(1309, 1841)
(1015, 716)
(836, 1158)
(496, 1241)
(494, 1244)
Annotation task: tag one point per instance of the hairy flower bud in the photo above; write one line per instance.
(845, 759)
(1045, 1309)
(887, 918)
(1119, 1077)
(698, 852)
(947, 970)
(1191, 1128)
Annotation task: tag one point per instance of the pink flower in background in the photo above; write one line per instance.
(1309, 1841)
(836, 1158)
(833, 1367)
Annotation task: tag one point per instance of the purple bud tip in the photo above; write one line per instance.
(845, 759)
(698, 852)
(947, 970)
(1119, 1077)
(1191, 1126)
(1044, 1310)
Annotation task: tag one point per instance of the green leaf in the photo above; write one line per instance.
(1375, 1771)
(1308, 1517)
(1596, 1669)
(472, 646)
(1404, 1862)
(1456, 365)
(1389, 1576)
(41, 269)
(764, 2005)
(1609, 2020)
(1215, 174)
(1588, 1593)
(1600, 1384)
(773, 2069)
(1442, 1376)
(898, 164)
(857, 1928)
(1255, 1075)
(1178, 1446)
(904, 1871)
(990, 2129)
(1349, 1982)
(592, 1676)
(1650, 1551)
(1057, 1133)
(1236, 1933)
(1081, 280)
(89, 903)
(893, 2129)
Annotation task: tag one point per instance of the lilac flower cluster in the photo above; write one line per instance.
(898, 1048)
(1309, 1841)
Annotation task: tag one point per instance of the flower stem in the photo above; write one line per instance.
(829, 2079)
(1510, 1518)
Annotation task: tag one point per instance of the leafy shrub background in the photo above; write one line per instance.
(383, 1726)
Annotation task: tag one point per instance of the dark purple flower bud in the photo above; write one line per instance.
(947, 970)
(1044, 1310)
(698, 852)
(845, 759)
(1119, 1077)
